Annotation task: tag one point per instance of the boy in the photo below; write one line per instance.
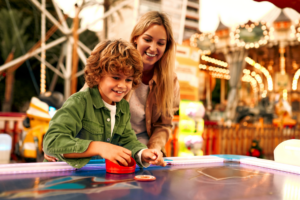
(96, 121)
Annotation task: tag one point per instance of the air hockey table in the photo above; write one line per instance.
(204, 177)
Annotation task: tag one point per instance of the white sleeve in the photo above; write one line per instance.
(138, 157)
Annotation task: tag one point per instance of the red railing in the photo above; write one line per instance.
(12, 124)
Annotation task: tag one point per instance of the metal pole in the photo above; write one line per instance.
(61, 16)
(74, 53)
(33, 53)
(111, 11)
(58, 66)
(67, 91)
(43, 53)
(50, 17)
(56, 71)
(85, 48)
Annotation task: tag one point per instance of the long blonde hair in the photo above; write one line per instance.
(165, 86)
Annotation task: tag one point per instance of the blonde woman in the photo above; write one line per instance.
(154, 101)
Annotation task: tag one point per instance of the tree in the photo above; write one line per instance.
(12, 42)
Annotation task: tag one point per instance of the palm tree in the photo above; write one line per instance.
(11, 47)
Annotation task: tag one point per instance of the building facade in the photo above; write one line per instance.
(184, 16)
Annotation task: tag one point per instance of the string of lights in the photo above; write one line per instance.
(261, 27)
(214, 69)
(263, 70)
(220, 76)
(257, 78)
(214, 61)
(202, 37)
(249, 78)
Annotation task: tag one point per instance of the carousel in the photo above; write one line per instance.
(254, 67)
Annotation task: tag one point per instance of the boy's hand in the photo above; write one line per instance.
(50, 158)
(153, 156)
(116, 154)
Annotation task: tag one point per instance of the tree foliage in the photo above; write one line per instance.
(14, 37)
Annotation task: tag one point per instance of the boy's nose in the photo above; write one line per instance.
(121, 85)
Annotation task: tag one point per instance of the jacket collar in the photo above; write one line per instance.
(98, 101)
(96, 98)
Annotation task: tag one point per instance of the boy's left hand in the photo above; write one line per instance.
(154, 157)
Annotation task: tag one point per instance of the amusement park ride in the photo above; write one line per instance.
(29, 144)
(193, 177)
(71, 46)
(238, 66)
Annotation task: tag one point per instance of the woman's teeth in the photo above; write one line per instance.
(151, 55)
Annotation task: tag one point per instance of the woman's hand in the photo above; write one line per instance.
(50, 158)
(153, 156)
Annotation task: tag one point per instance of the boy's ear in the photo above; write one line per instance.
(97, 78)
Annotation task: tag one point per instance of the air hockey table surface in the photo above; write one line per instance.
(227, 177)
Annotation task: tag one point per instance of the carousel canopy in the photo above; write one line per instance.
(295, 4)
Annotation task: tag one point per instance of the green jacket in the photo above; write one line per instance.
(84, 118)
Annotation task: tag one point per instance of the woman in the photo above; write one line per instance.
(155, 100)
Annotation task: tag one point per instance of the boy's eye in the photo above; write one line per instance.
(115, 77)
(129, 80)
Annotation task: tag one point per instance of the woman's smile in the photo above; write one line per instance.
(151, 45)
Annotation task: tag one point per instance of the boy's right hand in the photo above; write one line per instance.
(50, 158)
(116, 154)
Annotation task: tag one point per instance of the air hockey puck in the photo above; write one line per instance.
(145, 178)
